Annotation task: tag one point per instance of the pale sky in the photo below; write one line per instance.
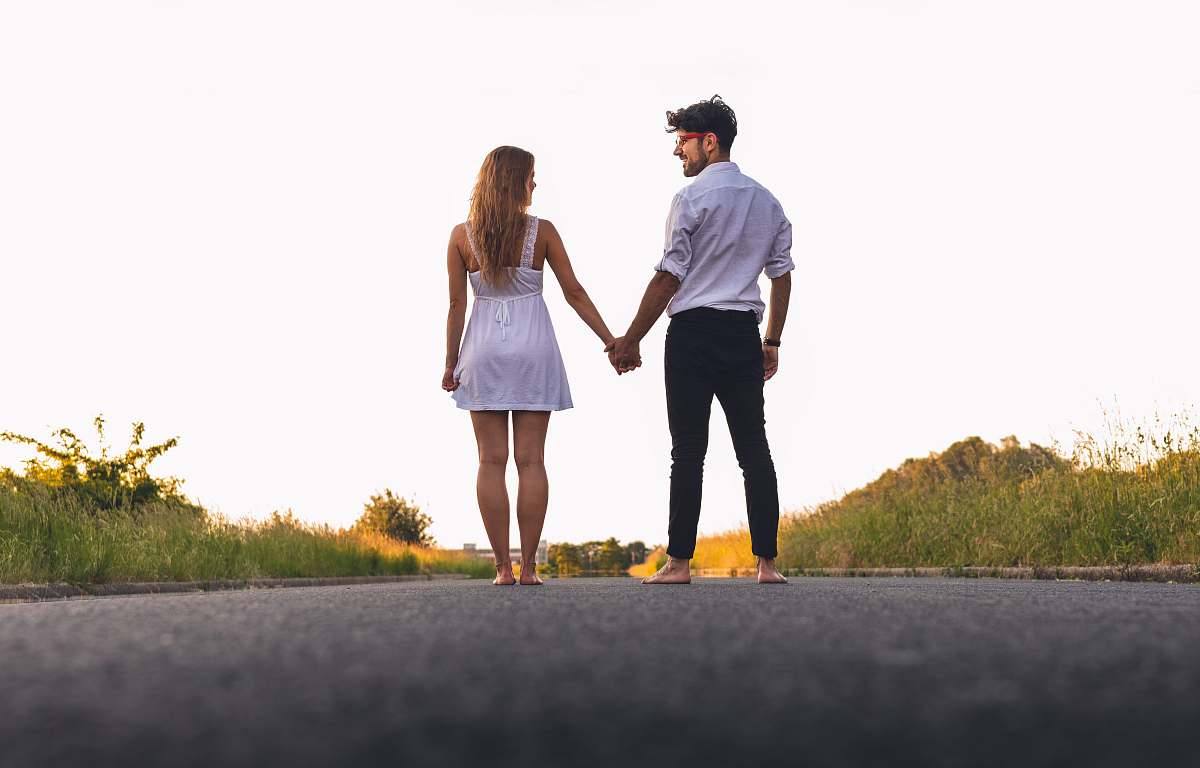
(229, 220)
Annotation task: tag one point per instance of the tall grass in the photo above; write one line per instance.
(47, 536)
(1129, 497)
(724, 551)
(655, 559)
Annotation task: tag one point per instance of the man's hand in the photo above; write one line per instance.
(624, 354)
(449, 383)
(770, 361)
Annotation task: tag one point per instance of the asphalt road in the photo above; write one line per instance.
(606, 672)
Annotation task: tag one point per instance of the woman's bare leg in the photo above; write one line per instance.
(533, 489)
(491, 433)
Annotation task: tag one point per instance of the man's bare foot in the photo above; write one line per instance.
(768, 573)
(504, 575)
(674, 572)
(529, 577)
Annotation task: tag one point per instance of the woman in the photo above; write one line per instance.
(509, 358)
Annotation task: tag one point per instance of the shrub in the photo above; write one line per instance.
(67, 467)
(396, 518)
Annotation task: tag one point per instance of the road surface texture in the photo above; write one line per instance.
(586, 672)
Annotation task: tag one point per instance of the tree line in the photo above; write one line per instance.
(608, 557)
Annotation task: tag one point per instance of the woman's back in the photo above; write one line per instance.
(525, 279)
(510, 358)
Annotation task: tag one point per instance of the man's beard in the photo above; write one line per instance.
(691, 169)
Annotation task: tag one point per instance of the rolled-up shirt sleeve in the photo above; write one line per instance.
(677, 250)
(780, 261)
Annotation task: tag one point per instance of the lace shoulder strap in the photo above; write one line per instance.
(530, 239)
(471, 241)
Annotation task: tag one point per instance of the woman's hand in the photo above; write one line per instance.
(624, 354)
(449, 383)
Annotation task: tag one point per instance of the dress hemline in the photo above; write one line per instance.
(513, 407)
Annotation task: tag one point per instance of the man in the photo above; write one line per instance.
(723, 231)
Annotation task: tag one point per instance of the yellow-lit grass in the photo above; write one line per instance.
(654, 560)
(430, 559)
(727, 551)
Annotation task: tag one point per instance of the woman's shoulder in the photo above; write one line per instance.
(546, 230)
(460, 243)
(460, 237)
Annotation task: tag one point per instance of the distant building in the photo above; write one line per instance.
(541, 558)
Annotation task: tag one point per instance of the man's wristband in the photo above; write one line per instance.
(771, 342)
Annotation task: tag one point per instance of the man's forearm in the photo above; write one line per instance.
(781, 294)
(658, 295)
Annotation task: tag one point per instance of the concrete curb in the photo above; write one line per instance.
(1158, 573)
(1186, 574)
(35, 593)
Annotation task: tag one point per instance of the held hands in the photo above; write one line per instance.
(624, 355)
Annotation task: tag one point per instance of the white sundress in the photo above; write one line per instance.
(509, 359)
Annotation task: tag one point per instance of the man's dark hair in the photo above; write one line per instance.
(712, 116)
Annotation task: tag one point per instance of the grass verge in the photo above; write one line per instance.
(1131, 498)
(48, 537)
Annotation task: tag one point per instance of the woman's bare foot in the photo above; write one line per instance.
(504, 575)
(529, 578)
(674, 572)
(768, 573)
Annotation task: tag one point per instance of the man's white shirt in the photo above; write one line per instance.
(723, 231)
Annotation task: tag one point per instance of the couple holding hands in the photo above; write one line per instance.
(723, 231)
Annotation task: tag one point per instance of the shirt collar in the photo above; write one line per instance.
(721, 167)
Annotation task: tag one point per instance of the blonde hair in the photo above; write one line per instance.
(496, 222)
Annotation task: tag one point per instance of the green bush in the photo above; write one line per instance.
(396, 518)
(67, 468)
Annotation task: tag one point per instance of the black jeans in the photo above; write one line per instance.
(718, 352)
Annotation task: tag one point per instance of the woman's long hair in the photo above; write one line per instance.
(496, 221)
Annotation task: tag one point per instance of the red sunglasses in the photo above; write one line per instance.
(682, 137)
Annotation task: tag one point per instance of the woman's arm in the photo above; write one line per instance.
(577, 297)
(456, 270)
